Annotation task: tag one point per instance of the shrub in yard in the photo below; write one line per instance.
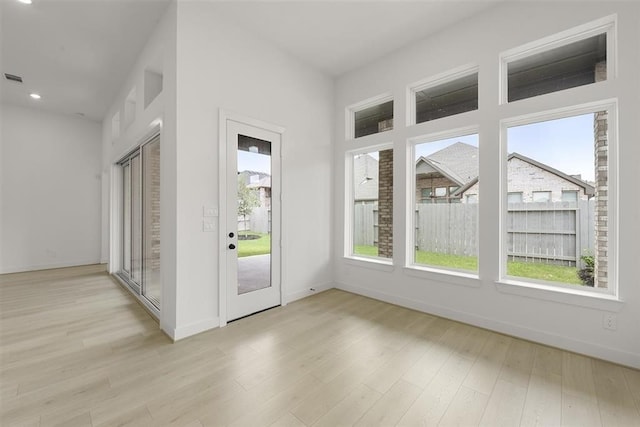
(586, 273)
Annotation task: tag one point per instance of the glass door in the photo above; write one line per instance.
(151, 288)
(253, 226)
(140, 267)
(126, 218)
(136, 222)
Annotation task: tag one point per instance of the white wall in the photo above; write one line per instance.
(223, 67)
(568, 321)
(159, 54)
(210, 65)
(51, 197)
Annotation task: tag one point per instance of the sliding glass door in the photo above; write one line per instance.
(136, 222)
(151, 231)
(140, 267)
(126, 218)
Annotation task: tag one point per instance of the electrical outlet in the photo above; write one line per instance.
(609, 321)
(208, 225)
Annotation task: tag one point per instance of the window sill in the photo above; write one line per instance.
(576, 297)
(444, 276)
(373, 263)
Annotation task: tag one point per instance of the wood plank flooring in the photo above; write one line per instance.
(77, 350)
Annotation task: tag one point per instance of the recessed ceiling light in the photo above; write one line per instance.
(25, 1)
(35, 96)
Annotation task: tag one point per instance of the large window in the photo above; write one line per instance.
(551, 196)
(140, 267)
(558, 232)
(446, 214)
(372, 203)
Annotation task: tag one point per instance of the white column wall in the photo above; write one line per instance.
(159, 54)
(221, 66)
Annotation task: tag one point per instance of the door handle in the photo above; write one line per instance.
(232, 246)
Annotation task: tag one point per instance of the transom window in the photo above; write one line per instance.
(574, 58)
(372, 119)
(447, 96)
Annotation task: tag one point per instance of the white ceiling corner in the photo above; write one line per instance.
(75, 53)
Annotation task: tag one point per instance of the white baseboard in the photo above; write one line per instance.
(185, 331)
(543, 337)
(36, 267)
(294, 296)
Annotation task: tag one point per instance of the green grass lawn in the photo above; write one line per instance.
(530, 270)
(548, 272)
(444, 260)
(365, 250)
(259, 246)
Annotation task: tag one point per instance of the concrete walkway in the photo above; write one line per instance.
(254, 272)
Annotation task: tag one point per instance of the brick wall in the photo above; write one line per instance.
(526, 178)
(385, 204)
(152, 207)
(601, 147)
(601, 197)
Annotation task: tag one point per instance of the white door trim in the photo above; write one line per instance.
(224, 117)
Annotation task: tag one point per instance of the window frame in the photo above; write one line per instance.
(549, 193)
(574, 192)
(611, 106)
(606, 25)
(350, 114)
(457, 276)
(520, 193)
(349, 226)
(470, 198)
(440, 196)
(435, 81)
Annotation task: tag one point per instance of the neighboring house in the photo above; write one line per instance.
(365, 179)
(450, 175)
(261, 182)
(533, 181)
(440, 175)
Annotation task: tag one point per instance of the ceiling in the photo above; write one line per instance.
(338, 36)
(74, 53)
(77, 53)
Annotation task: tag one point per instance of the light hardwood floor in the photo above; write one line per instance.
(78, 350)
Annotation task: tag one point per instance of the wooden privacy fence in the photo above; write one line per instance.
(259, 220)
(447, 228)
(559, 232)
(365, 224)
(555, 232)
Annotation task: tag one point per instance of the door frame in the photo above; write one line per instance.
(224, 116)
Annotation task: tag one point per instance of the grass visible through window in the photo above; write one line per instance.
(258, 246)
(530, 270)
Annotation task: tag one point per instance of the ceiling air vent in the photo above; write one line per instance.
(13, 77)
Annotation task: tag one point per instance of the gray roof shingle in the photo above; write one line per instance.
(459, 161)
